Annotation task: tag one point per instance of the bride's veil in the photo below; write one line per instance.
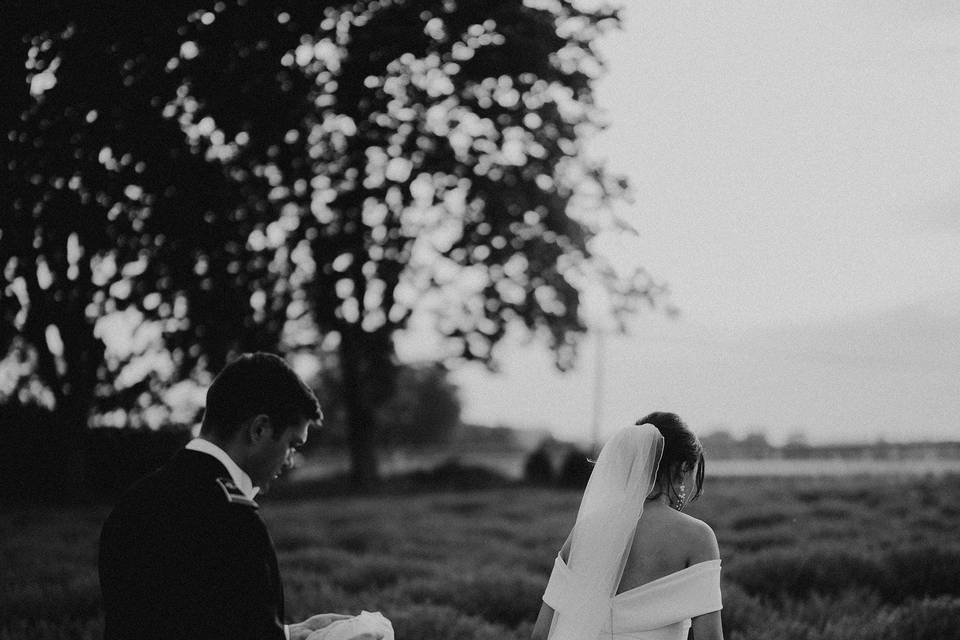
(624, 475)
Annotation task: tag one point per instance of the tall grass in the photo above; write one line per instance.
(804, 559)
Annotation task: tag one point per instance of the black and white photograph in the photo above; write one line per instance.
(479, 320)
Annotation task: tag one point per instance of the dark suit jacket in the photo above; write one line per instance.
(185, 556)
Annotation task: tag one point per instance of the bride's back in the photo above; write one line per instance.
(666, 541)
(669, 548)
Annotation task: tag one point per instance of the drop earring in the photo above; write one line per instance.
(681, 497)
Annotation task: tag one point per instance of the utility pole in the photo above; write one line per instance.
(598, 380)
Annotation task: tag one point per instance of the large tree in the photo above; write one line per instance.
(112, 211)
(312, 176)
(76, 198)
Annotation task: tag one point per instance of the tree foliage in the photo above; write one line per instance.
(423, 408)
(298, 176)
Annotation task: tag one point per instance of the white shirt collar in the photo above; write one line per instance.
(238, 475)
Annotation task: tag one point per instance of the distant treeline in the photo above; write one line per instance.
(38, 465)
(722, 445)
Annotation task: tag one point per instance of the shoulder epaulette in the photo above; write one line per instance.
(234, 495)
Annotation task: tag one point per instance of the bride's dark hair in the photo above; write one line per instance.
(681, 449)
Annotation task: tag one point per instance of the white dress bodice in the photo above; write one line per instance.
(658, 610)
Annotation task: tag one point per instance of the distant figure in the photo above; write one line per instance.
(635, 566)
(184, 555)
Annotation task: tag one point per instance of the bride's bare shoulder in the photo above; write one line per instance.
(700, 539)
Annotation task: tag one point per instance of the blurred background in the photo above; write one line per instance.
(794, 173)
(482, 230)
(489, 233)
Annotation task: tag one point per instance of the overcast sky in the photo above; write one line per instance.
(795, 169)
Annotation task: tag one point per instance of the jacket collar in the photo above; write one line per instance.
(237, 475)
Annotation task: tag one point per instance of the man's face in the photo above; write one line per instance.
(273, 454)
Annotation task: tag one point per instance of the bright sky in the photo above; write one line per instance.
(795, 168)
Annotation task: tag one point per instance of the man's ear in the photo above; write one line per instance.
(259, 428)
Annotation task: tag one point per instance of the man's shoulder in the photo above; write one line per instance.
(233, 494)
(189, 481)
(202, 481)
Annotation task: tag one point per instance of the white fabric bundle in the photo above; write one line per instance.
(371, 623)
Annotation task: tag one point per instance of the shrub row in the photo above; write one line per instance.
(573, 472)
(922, 619)
(896, 575)
(39, 463)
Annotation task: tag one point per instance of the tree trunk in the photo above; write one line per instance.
(71, 425)
(355, 364)
(82, 353)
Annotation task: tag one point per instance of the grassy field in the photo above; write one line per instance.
(804, 559)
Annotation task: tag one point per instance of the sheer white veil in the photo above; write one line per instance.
(612, 503)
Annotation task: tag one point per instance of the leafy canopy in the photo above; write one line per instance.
(298, 176)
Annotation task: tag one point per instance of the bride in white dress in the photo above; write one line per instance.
(635, 566)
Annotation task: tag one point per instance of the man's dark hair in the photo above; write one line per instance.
(255, 384)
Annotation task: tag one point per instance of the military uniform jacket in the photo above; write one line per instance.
(185, 556)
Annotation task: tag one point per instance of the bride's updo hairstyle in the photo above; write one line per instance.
(682, 451)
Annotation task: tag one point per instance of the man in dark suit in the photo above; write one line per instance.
(184, 555)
